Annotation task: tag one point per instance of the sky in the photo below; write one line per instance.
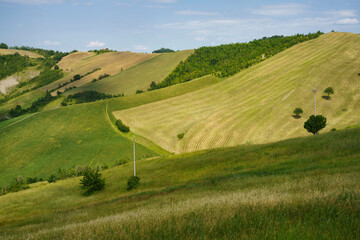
(147, 25)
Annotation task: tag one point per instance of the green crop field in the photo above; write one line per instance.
(138, 77)
(256, 105)
(303, 188)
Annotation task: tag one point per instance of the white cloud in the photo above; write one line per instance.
(347, 21)
(141, 48)
(196, 13)
(34, 1)
(343, 13)
(279, 10)
(50, 43)
(95, 44)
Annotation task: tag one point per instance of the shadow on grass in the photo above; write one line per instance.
(296, 116)
(326, 97)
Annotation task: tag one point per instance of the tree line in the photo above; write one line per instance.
(228, 59)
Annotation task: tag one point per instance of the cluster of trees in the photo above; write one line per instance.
(46, 53)
(105, 75)
(86, 96)
(104, 50)
(226, 60)
(46, 77)
(35, 106)
(3, 46)
(10, 64)
(163, 50)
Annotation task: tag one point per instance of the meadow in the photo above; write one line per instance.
(257, 104)
(303, 188)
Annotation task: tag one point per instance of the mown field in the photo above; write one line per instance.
(37, 145)
(21, 52)
(256, 105)
(303, 188)
(140, 76)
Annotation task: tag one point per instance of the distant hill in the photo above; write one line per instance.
(256, 105)
(21, 52)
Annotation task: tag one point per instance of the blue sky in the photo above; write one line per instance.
(146, 25)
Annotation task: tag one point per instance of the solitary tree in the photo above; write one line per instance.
(3, 45)
(297, 112)
(329, 91)
(92, 181)
(315, 123)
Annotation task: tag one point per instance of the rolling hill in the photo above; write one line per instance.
(294, 189)
(138, 77)
(256, 105)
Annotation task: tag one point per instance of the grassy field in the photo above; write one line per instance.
(303, 188)
(21, 52)
(140, 76)
(37, 145)
(61, 138)
(256, 105)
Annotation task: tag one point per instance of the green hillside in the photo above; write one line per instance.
(302, 188)
(37, 145)
(138, 77)
(256, 105)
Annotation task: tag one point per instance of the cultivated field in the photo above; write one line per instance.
(109, 62)
(21, 52)
(140, 76)
(305, 188)
(256, 105)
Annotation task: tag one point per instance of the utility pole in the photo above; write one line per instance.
(134, 155)
(314, 101)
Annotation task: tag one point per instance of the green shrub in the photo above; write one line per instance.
(122, 127)
(133, 182)
(52, 178)
(180, 135)
(120, 162)
(92, 182)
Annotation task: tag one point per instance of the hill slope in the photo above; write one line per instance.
(300, 188)
(21, 52)
(256, 105)
(139, 76)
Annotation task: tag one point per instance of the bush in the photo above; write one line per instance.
(122, 127)
(92, 181)
(120, 162)
(139, 91)
(180, 135)
(52, 178)
(133, 182)
(297, 112)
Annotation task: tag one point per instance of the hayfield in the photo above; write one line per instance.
(140, 76)
(302, 188)
(256, 105)
(21, 52)
(109, 62)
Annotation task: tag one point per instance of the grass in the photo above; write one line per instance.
(61, 138)
(256, 105)
(139, 76)
(303, 188)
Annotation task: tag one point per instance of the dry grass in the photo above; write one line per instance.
(256, 105)
(110, 63)
(21, 52)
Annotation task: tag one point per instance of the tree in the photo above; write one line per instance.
(3, 46)
(329, 91)
(92, 181)
(297, 112)
(315, 124)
